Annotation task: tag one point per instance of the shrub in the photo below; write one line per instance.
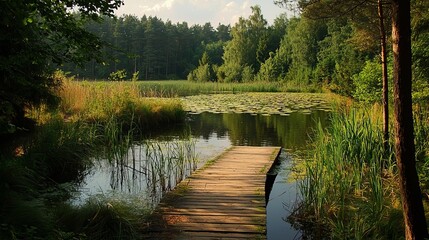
(119, 75)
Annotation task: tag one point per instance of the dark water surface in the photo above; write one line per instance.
(290, 132)
(212, 133)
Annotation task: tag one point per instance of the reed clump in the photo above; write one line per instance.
(100, 219)
(350, 188)
(98, 102)
(176, 88)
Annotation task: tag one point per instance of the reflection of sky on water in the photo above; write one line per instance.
(213, 133)
(107, 178)
(281, 202)
(210, 148)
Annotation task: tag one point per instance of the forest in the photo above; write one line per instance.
(337, 53)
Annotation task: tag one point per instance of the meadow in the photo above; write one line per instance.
(177, 88)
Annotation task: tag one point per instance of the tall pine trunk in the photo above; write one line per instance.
(415, 221)
(385, 78)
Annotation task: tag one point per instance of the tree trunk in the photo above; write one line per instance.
(385, 78)
(415, 221)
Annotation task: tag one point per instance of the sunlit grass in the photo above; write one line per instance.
(97, 102)
(350, 188)
(175, 88)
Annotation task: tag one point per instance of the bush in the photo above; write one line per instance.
(119, 75)
(369, 84)
(201, 74)
(247, 75)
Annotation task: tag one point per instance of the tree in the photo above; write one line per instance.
(356, 11)
(302, 39)
(247, 47)
(414, 217)
(384, 73)
(36, 36)
(203, 73)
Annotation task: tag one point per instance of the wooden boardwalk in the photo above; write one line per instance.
(225, 200)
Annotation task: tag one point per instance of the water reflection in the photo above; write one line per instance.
(290, 132)
(147, 169)
(132, 173)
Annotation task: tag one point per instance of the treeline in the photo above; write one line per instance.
(340, 53)
(337, 52)
(153, 48)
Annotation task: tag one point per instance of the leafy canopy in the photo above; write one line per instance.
(35, 37)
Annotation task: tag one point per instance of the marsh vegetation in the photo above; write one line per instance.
(57, 131)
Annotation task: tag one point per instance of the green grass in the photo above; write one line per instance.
(186, 88)
(102, 218)
(100, 101)
(91, 118)
(350, 189)
(175, 88)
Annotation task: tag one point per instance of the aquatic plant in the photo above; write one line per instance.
(168, 163)
(101, 218)
(349, 188)
(257, 103)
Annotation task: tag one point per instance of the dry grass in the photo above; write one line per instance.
(91, 101)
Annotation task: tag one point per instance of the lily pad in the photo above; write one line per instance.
(257, 103)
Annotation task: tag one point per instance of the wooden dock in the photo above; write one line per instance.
(224, 200)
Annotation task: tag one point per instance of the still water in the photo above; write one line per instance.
(210, 134)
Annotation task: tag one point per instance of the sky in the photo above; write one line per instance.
(200, 11)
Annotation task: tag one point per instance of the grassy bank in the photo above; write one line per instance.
(99, 102)
(174, 88)
(350, 190)
(37, 171)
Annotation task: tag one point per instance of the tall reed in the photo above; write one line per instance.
(168, 163)
(98, 102)
(348, 188)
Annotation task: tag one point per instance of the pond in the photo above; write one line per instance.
(207, 134)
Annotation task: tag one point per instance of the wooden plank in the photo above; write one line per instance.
(222, 201)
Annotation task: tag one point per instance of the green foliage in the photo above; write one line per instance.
(230, 73)
(368, 82)
(248, 47)
(350, 179)
(247, 75)
(157, 49)
(420, 47)
(97, 219)
(338, 60)
(119, 75)
(135, 76)
(34, 37)
(201, 74)
(215, 51)
(204, 72)
(273, 69)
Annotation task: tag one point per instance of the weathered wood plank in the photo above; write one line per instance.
(222, 201)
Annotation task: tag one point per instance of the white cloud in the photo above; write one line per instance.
(166, 5)
(199, 11)
(230, 5)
